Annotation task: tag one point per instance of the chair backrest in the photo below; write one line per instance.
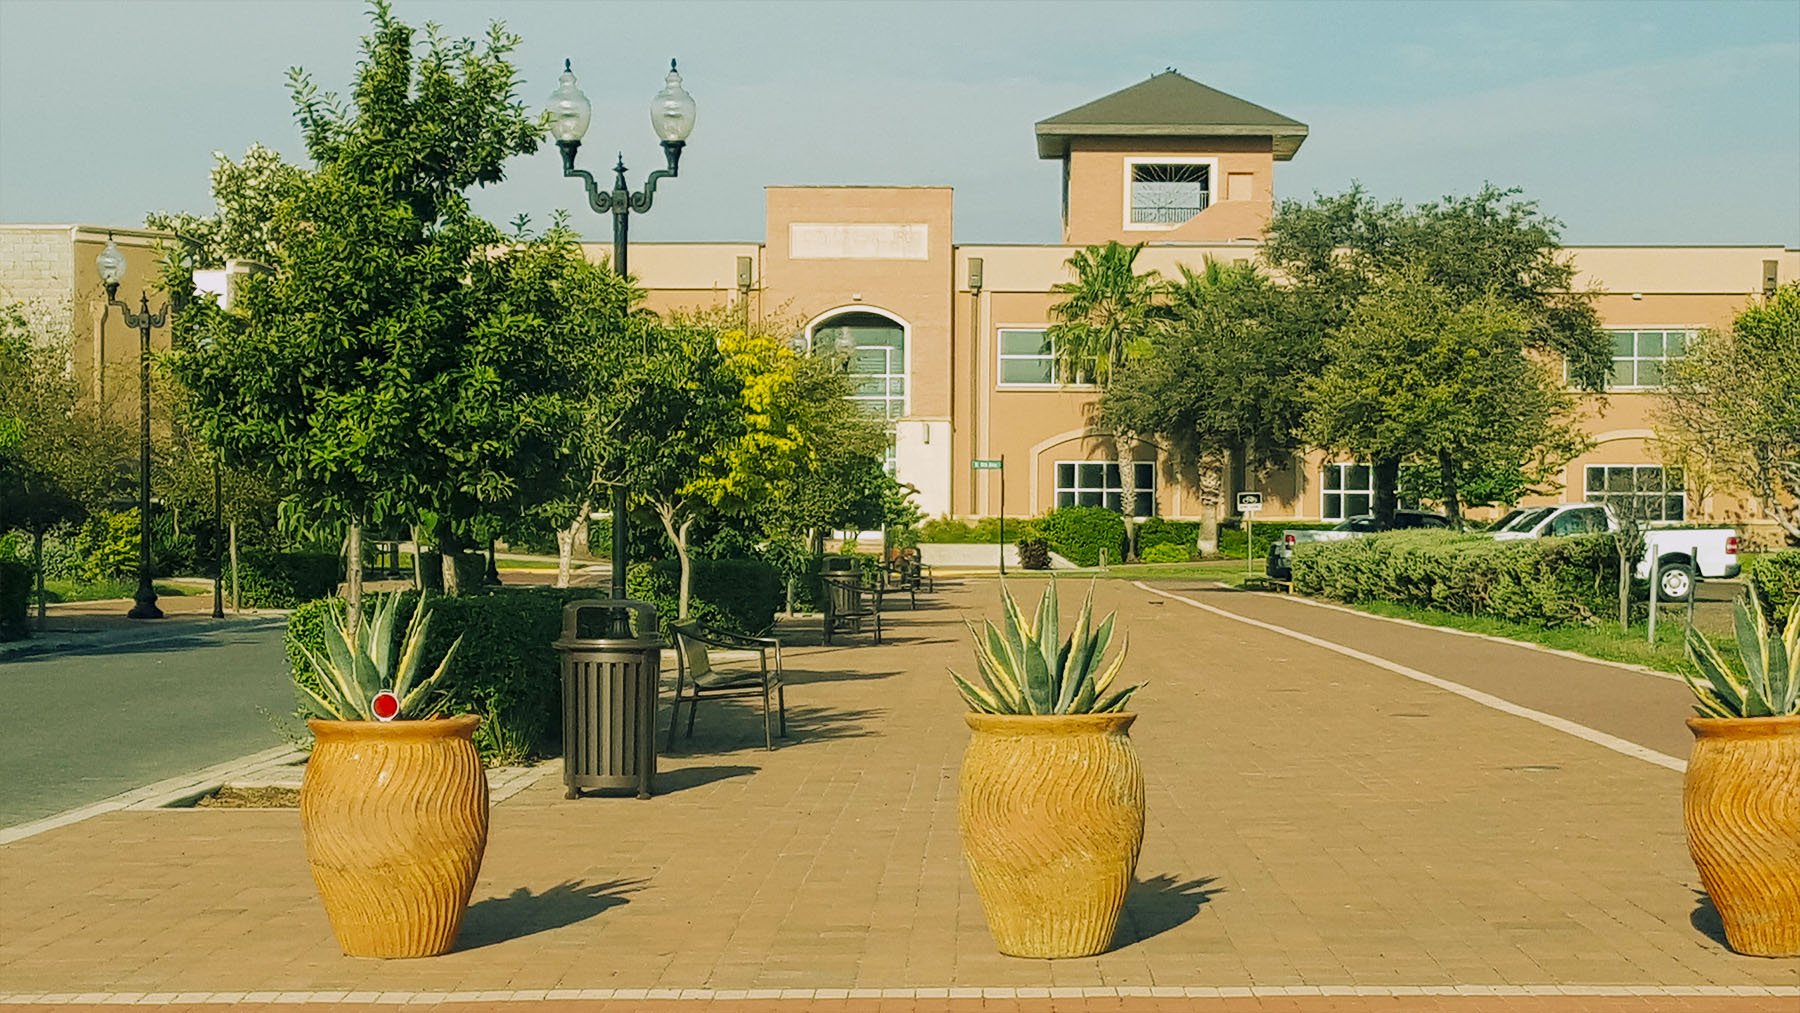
(842, 593)
(699, 663)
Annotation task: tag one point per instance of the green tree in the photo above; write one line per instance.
(247, 196)
(1219, 382)
(1736, 393)
(1418, 373)
(1487, 246)
(354, 345)
(1103, 320)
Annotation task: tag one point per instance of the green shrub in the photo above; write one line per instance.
(1034, 554)
(1777, 580)
(1079, 534)
(506, 669)
(985, 531)
(1540, 581)
(15, 594)
(283, 580)
(740, 595)
(1165, 552)
(1157, 531)
(1263, 534)
(108, 546)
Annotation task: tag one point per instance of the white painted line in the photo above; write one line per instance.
(1528, 645)
(1564, 725)
(155, 795)
(1030, 992)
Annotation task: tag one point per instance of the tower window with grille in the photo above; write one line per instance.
(1169, 193)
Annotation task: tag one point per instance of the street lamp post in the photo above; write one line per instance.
(111, 264)
(672, 114)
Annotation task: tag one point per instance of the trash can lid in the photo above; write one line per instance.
(642, 616)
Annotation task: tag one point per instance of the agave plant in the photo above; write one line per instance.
(1024, 670)
(360, 677)
(1769, 683)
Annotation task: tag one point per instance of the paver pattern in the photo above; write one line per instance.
(1313, 821)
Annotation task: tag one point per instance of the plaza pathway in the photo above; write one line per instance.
(1323, 833)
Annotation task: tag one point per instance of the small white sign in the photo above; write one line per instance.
(1249, 502)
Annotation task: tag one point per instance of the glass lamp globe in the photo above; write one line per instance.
(570, 110)
(111, 264)
(672, 110)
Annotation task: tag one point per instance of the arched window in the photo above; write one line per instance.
(873, 349)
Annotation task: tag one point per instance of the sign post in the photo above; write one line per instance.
(1249, 504)
(997, 464)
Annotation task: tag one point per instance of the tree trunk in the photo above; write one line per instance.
(463, 571)
(678, 538)
(37, 563)
(353, 577)
(1450, 492)
(1127, 494)
(236, 602)
(1386, 473)
(1622, 544)
(418, 555)
(1212, 506)
(565, 549)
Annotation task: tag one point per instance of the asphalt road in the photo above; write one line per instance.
(80, 726)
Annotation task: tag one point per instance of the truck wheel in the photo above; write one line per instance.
(1676, 582)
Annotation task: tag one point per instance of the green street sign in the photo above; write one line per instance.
(983, 464)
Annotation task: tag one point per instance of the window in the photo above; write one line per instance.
(1027, 357)
(1647, 491)
(1349, 491)
(1638, 356)
(1096, 483)
(873, 350)
(1586, 521)
(1168, 193)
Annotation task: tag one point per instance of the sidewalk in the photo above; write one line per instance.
(1311, 844)
(85, 625)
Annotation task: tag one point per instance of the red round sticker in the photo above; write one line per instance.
(386, 705)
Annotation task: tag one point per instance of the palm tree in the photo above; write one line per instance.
(1105, 318)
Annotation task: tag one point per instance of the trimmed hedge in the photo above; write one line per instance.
(15, 596)
(1165, 552)
(1156, 531)
(506, 669)
(1263, 534)
(1777, 580)
(1541, 581)
(285, 579)
(1078, 534)
(986, 531)
(741, 595)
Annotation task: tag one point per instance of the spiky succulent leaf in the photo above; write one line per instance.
(1105, 679)
(977, 699)
(1009, 667)
(1047, 624)
(412, 651)
(414, 703)
(1029, 669)
(337, 684)
(1721, 681)
(1752, 638)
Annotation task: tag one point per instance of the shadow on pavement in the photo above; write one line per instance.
(683, 778)
(1160, 903)
(1705, 919)
(523, 913)
(736, 723)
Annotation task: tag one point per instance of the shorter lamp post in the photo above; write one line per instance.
(111, 264)
(672, 115)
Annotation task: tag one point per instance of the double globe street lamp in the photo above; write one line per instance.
(672, 116)
(111, 264)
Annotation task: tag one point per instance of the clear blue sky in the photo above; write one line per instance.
(1650, 122)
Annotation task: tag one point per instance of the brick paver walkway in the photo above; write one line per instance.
(1314, 822)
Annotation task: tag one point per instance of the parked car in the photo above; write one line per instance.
(1281, 551)
(1683, 556)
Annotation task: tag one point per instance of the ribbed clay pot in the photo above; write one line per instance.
(1741, 804)
(395, 817)
(1052, 814)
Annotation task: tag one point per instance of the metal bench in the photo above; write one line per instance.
(848, 604)
(697, 678)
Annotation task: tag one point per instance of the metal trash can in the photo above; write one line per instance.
(609, 688)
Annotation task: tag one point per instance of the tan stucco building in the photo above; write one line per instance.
(948, 339)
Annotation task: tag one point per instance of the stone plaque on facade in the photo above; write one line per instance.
(858, 241)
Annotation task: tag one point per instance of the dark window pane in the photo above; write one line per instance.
(1334, 507)
(1065, 499)
(1596, 479)
(1674, 508)
(1112, 476)
(1112, 501)
(1088, 498)
(1092, 475)
(1356, 504)
(1146, 474)
(1359, 477)
(1146, 505)
(1065, 475)
(1618, 480)
(1334, 477)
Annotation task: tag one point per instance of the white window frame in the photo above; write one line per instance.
(1131, 163)
(1590, 495)
(1343, 489)
(1075, 491)
(1688, 333)
(1001, 357)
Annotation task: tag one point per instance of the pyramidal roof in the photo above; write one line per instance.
(1169, 105)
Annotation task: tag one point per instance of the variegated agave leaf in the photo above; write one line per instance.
(1026, 668)
(1769, 684)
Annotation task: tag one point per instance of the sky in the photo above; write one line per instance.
(1644, 122)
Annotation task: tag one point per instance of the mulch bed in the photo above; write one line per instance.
(251, 798)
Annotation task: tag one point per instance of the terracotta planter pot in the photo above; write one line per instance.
(1741, 804)
(395, 817)
(1052, 814)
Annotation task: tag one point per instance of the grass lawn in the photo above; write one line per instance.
(1228, 571)
(1604, 641)
(70, 590)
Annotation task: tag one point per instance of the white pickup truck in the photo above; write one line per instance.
(1683, 556)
